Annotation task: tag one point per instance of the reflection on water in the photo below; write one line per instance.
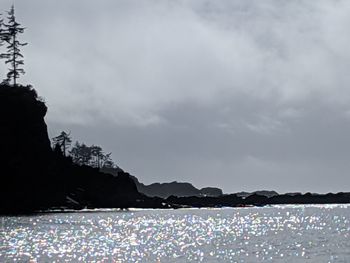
(280, 234)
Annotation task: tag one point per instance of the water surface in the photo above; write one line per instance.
(268, 234)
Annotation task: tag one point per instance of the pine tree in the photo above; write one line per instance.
(13, 55)
(81, 154)
(63, 141)
(3, 38)
(2, 33)
(97, 154)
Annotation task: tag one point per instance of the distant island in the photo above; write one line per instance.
(164, 190)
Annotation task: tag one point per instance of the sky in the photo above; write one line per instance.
(241, 95)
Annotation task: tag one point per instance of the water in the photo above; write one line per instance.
(269, 234)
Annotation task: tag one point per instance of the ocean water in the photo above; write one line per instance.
(268, 234)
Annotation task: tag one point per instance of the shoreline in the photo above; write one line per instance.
(133, 209)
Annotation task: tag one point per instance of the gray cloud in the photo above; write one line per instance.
(243, 95)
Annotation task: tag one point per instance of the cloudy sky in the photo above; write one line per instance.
(243, 95)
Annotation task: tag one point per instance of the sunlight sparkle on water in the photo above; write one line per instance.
(292, 233)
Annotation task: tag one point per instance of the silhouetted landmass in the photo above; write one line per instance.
(195, 201)
(260, 200)
(211, 191)
(34, 177)
(164, 190)
(262, 192)
(179, 189)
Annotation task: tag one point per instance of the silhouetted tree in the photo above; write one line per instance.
(107, 161)
(13, 55)
(3, 35)
(81, 154)
(2, 31)
(63, 141)
(57, 150)
(91, 155)
(97, 156)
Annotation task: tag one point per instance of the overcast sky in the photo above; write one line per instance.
(242, 95)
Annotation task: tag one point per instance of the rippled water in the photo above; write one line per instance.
(277, 234)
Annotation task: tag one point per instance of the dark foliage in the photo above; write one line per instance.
(90, 155)
(62, 141)
(13, 56)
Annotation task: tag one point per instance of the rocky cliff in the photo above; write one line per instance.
(33, 177)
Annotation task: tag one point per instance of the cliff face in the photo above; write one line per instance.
(33, 177)
(24, 138)
(24, 146)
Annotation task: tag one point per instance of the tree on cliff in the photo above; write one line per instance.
(97, 156)
(3, 35)
(81, 154)
(13, 55)
(107, 161)
(63, 141)
(91, 155)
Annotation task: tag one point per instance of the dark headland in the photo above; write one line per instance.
(34, 177)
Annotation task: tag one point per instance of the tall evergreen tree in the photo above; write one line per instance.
(63, 141)
(97, 155)
(2, 33)
(13, 55)
(3, 37)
